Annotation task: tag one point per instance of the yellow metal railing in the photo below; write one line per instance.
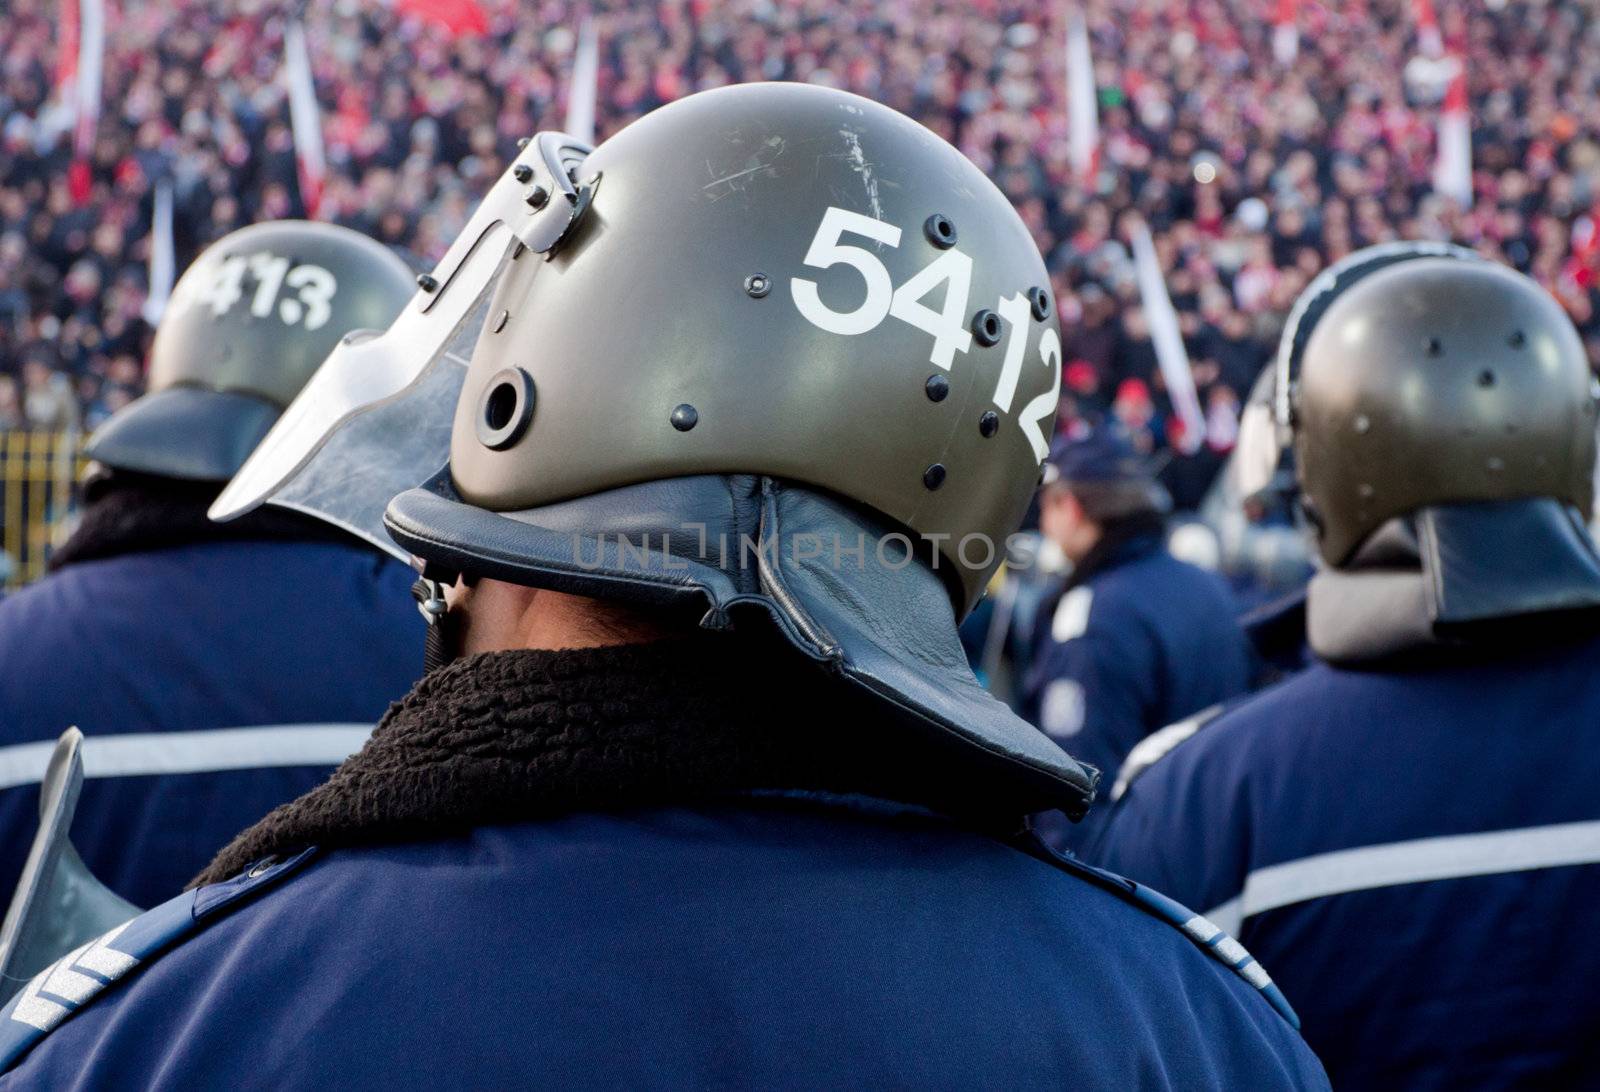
(39, 473)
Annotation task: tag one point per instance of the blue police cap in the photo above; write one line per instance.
(1105, 472)
(1100, 454)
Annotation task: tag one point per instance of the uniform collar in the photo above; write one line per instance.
(508, 737)
(132, 513)
(1121, 543)
(1456, 581)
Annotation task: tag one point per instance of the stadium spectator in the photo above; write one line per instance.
(1305, 162)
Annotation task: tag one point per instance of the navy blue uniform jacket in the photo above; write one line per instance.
(1143, 641)
(213, 681)
(1415, 854)
(781, 941)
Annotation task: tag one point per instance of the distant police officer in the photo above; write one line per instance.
(217, 670)
(1409, 831)
(711, 798)
(1137, 639)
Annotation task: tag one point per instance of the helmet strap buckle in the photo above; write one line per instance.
(440, 643)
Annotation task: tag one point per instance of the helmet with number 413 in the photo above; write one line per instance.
(793, 358)
(248, 323)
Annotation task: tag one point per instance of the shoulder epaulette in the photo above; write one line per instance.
(70, 983)
(1201, 932)
(1156, 746)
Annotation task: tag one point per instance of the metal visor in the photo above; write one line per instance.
(375, 419)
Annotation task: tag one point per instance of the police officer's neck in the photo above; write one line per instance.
(499, 617)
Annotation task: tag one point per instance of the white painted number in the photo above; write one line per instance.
(950, 335)
(317, 287)
(826, 251)
(314, 289)
(947, 326)
(1043, 407)
(268, 270)
(1015, 311)
(227, 288)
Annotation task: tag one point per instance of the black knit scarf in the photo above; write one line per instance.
(131, 513)
(509, 736)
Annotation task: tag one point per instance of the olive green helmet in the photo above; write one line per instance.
(773, 353)
(785, 280)
(1433, 382)
(248, 323)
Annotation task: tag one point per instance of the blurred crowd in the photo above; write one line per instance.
(1252, 172)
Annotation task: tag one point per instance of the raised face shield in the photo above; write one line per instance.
(375, 418)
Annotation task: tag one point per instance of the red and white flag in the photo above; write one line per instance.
(1285, 33)
(1452, 167)
(1083, 117)
(305, 116)
(80, 66)
(1430, 43)
(1167, 339)
(585, 84)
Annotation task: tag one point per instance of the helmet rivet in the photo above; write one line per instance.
(500, 321)
(523, 142)
(1486, 378)
(506, 409)
(522, 172)
(1496, 463)
(1518, 339)
(1435, 346)
(1039, 300)
(1362, 423)
(986, 327)
(757, 285)
(427, 283)
(685, 417)
(538, 196)
(988, 424)
(1365, 491)
(933, 477)
(941, 231)
(938, 388)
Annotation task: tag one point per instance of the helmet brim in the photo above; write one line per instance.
(188, 433)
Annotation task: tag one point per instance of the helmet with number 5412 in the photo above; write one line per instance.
(774, 312)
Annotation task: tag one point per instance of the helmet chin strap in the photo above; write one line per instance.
(442, 644)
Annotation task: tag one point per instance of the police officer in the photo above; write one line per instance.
(1408, 830)
(1137, 639)
(707, 794)
(218, 670)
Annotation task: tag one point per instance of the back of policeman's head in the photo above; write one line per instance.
(1439, 382)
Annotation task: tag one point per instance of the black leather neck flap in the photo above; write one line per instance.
(840, 586)
(1472, 576)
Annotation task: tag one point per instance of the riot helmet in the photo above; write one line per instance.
(248, 323)
(1439, 382)
(1266, 423)
(774, 353)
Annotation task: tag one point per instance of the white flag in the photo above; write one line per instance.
(1083, 118)
(305, 117)
(1430, 42)
(585, 80)
(1452, 169)
(1285, 34)
(162, 261)
(88, 68)
(1167, 339)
